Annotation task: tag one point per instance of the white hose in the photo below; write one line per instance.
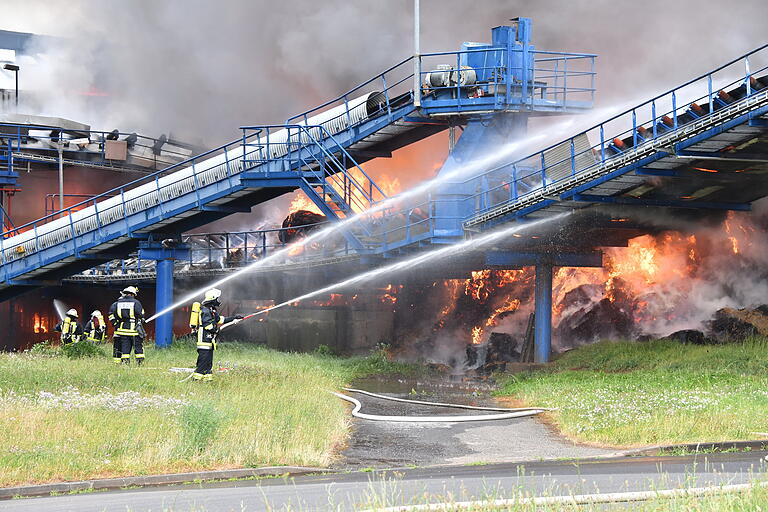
(580, 499)
(432, 419)
(442, 404)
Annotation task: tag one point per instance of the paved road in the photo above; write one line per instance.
(378, 444)
(357, 490)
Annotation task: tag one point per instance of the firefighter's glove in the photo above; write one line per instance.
(239, 317)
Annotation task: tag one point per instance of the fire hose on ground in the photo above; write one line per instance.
(506, 414)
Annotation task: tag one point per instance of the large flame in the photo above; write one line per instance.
(40, 323)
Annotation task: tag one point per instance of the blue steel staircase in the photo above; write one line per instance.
(317, 164)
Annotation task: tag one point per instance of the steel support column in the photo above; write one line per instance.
(164, 253)
(543, 315)
(163, 299)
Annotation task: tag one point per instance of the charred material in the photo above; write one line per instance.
(302, 223)
(731, 324)
(691, 336)
(585, 320)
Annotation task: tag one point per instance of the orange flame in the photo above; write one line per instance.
(40, 324)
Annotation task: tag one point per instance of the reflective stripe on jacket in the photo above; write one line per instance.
(210, 324)
(70, 331)
(126, 314)
(96, 331)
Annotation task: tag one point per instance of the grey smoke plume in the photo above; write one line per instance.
(201, 69)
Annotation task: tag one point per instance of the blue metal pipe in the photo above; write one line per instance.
(163, 299)
(543, 315)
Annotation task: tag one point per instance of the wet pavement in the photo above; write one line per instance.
(378, 444)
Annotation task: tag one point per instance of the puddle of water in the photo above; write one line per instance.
(465, 392)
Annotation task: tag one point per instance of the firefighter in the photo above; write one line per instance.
(207, 321)
(96, 328)
(127, 316)
(70, 329)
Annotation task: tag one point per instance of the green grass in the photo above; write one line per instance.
(660, 392)
(387, 492)
(68, 419)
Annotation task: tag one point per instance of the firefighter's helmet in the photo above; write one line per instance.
(96, 313)
(72, 312)
(212, 296)
(131, 289)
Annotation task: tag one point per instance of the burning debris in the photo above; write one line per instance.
(300, 224)
(683, 286)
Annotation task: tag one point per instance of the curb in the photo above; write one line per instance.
(226, 474)
(155, 480)
(725, 446)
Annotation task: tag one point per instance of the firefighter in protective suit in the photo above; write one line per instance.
(207, 321)
(127, 316)
(96, 328)
(70, 329)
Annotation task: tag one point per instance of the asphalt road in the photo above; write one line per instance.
(381, 444)
(359, 490)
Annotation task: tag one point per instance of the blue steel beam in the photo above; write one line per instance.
(225, 209)
(543, 314)
(671, 203)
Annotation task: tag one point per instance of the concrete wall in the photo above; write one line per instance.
(344, 330)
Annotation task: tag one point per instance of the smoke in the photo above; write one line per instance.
(201, 69)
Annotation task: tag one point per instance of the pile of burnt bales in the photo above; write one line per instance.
(500, 349)
(728, 325)
(585, 320)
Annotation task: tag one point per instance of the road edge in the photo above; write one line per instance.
(7, 493)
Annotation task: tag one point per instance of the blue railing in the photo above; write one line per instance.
(649, 121)
(219, 251)
(314, 150)
(551, 80)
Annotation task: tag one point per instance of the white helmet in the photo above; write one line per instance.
(212, 295)
(96, 312)
(131, 289)
(72, 312)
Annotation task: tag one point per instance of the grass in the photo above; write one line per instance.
(70, 419)
(384, 493)
(659, 392)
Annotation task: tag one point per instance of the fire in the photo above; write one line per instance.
(390, 294)
(650, 285)
(40, 324)
(731, 238)
(484, 283)
(477, 333)
(300, 201)
(335, 299)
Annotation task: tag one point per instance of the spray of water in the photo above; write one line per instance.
(500, 158)
(61, 308)
(421, 259)
(469, 169)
